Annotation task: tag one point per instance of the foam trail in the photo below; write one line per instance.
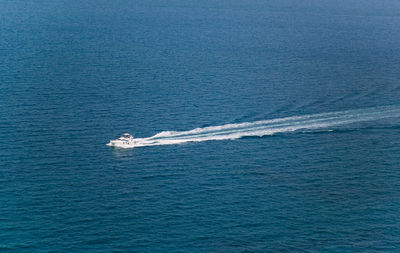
(270, 127)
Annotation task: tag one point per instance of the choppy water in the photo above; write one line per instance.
(298, 101)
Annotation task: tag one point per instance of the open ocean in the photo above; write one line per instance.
(264, 126)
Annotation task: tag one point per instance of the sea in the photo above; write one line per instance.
(261, 126)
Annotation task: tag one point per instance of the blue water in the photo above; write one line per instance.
(75, 74)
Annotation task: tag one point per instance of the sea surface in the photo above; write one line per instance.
(265, 126)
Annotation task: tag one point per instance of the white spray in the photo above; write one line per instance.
(269, 127)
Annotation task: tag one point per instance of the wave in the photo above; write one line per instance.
(270, 127)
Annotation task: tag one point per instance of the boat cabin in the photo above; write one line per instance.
(127, 136)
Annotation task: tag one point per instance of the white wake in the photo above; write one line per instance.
(270, 127)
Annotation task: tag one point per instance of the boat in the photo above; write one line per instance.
(125, 141)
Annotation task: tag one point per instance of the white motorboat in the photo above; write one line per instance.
(125, 141)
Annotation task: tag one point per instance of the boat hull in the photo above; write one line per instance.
(120, 144)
